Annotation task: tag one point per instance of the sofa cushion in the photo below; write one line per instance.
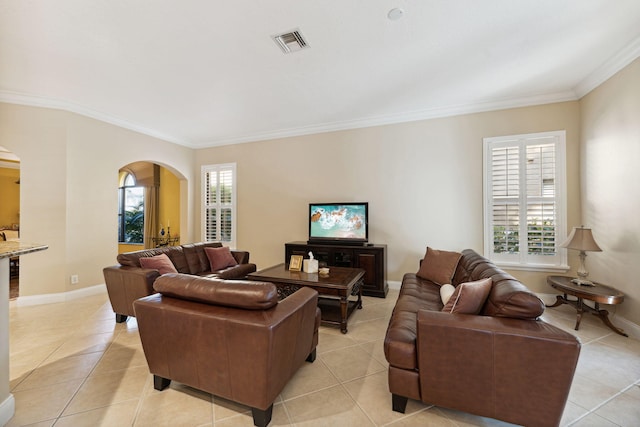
(241, 294)
(196, 257)
(161, 262)
(439, 266)
(179, 260)
(220, 258)
(469, 297)
(400, 341)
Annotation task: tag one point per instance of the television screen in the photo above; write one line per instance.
(339, 222)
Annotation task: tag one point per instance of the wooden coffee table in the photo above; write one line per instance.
(598, 293)
(334, 290)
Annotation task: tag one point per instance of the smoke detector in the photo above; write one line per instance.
(291, 41)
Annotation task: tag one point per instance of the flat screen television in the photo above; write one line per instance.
(339, 223)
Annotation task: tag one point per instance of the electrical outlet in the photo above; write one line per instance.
(74, 279)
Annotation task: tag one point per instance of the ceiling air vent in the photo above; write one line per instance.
(291, 41)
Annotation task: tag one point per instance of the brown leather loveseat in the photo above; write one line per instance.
(504, 362)
(128, 281)
(230, 338)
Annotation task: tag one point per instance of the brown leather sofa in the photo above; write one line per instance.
(230, 338)
(505, 363)
(128, 281)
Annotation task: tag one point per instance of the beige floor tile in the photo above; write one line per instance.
(329, 407)
(588, 393)
(223, 409)
(463, 419)
(373, 396)
(351, 363)
(431, 417)
(43, 403)
(118, 414)
(109, 388)
(310, 377)
(624, 409)
(60, 371)
(279, 417)
(368, 331)
(572, 412)
(328, 341)
(371, 311)
(621, 370)
(118, 357)
(376, 350)
(83, 344)
(593, 420)
(182, 406)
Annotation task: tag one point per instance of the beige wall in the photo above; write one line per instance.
(69, 181)
(610, 155)
(423, 182)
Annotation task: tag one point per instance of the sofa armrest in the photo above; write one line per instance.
(242, 257)
(511, 369)
(126, 284)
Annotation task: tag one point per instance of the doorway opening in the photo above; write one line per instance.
(149, 207)
(10, 211)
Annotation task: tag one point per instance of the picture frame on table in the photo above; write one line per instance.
(295, 263)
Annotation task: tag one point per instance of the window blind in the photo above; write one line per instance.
(525, 199)
(219, 202)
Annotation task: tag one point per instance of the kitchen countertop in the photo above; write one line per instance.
(13, 248)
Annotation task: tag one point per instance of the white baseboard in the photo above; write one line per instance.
(394, 284)
(630, 328)
(7, 409)
(61, 296)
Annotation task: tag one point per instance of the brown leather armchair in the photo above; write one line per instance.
(232, 339)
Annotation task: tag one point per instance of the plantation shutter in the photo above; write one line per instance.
(219, 203)
(525, 199)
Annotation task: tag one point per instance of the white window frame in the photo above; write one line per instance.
(218, 204)
(522, 260)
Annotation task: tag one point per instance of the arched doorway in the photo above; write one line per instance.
(149, 206)
(10, 211)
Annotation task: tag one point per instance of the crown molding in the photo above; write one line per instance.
(58, 104)
(610, 67)
(411, 116)
(432, 113)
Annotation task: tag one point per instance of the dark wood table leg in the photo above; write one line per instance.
(559, 301)
(604, 316)
(344, 304)
(580, 310)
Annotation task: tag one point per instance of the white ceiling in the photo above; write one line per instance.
(204, 73)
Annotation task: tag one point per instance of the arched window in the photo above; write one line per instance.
(130, 210)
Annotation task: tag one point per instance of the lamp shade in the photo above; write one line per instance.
(581, 239)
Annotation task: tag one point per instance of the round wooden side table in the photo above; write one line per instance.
(598, 293)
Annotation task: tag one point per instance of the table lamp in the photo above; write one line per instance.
(582, 240)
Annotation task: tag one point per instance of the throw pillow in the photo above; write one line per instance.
(445, 292)
(220, 258)
(469, 297)
(161, 262)
(439, 266)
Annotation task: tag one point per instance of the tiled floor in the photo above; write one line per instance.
(72, 365)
